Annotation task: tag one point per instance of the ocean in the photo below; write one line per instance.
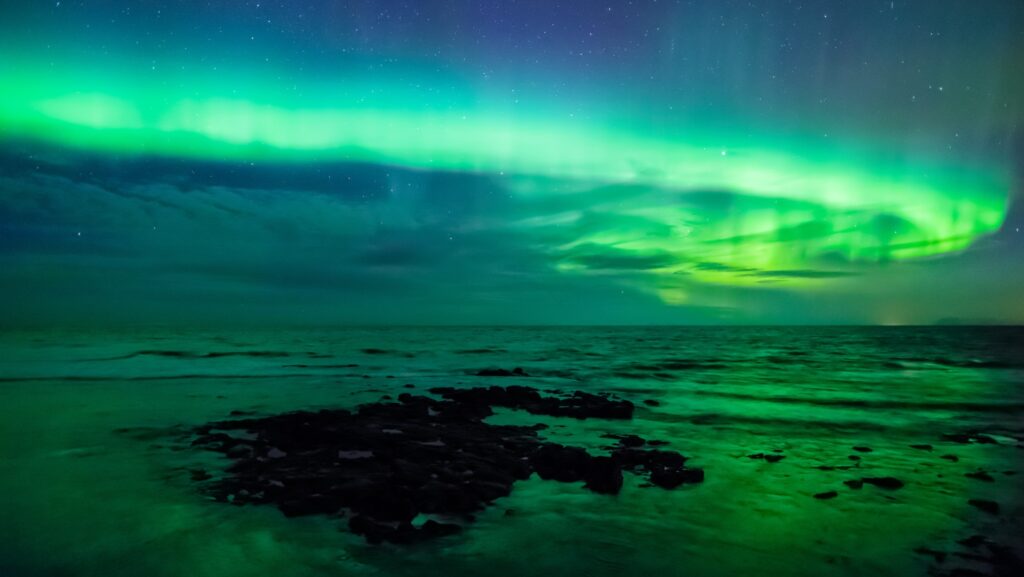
(95, 461)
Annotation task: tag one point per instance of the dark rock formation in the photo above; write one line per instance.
(826, 495)
(767, 457)
(387, 464)
(578, 405)
(891, 483)
(632, 441)
(980, 476)
(985, 505)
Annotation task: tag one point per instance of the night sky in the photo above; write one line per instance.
(531, 161)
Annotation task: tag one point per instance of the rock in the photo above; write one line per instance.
(952, 458)
(631, 441)
(670, 478)
(769, 457)
(862, 449)
(890, 483)
(666, 469)
(604, 475)
(561, 463)
(389, 462)
(853, 457)
(980, 476)
(854, 483)
(985, 505)
(652, 403)
(826, 495)
(656, 443)
(315, 504)
(432, 529)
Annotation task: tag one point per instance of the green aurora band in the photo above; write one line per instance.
(795, 207)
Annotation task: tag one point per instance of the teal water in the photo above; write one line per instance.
(94, 470)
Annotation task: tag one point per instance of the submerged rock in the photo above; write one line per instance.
(980, 476)
(579, 405)
(388, 463)
(767, 457)
(826, 495)
(890, 483)
(985, 505)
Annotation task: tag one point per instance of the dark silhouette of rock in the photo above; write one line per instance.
(604, 475)
(628, 440)
(767, 457)
(387, 463)
(980, 476)
(826, 495)
(652, 403)
(952, 458)
(854, 483)
(579, 404)
(890, 483)
(985, 505)
(862, 449)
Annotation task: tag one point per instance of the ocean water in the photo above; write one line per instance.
(94, 468)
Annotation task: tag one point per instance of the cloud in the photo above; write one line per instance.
(597, 257)
(807, 273)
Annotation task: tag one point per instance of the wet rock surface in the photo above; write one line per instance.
(390, 465)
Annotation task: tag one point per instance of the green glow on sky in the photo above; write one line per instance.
(794, 206)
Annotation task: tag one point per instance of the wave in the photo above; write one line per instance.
(176, 354)
(967, 406)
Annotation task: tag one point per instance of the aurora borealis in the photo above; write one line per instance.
(494, 162)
